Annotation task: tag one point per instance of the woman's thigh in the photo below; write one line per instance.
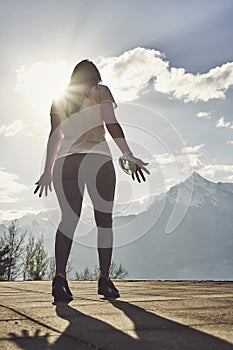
(101, 181)
(69, 190)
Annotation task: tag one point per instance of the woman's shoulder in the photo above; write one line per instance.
(105, 94)
(100, 88)
(103, 87)
(58, 106)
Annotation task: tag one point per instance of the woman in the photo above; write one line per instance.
(84, 159)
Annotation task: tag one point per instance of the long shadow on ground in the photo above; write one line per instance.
(153, 332)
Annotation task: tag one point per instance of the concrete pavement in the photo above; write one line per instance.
(157, 315)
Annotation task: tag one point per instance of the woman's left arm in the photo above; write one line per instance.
(54, 141)
(115, 130)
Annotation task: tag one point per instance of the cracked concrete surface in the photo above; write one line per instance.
(149, 315)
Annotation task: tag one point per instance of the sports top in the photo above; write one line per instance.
(83, 131)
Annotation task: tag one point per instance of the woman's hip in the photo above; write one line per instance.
(83, 166)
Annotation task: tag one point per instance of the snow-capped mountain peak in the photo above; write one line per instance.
(199, 192)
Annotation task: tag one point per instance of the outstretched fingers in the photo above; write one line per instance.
(143, 163)
(146, 170)
(37, 187)
(142, 175)
(137, 176)
(140, 164)
(41, 191)
(43, 185)
(139, 171)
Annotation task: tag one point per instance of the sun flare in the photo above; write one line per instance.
(41, 82)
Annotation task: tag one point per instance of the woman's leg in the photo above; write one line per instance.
(101, 192)
(69, 193)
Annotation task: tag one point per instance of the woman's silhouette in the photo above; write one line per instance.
(84, 159)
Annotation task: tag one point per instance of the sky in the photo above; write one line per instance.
(169, 65)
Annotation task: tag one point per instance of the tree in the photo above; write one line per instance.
(29, 258)
(51, 268)
(13, 239)
(115, 272)
(35, 260)
(86, 274)
(5, 261)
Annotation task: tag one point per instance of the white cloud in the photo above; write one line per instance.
(163, 158)
(135, 205)
(12, 129)
(185, 162)
(128, 75)
(131, 72)
(211, 169)
(222, 123)
(206, 115)
(18, 213)
(230, 142)
(174, 168)
(196, 87)
(229, 178)
(18, 127)
(9, 187)
(207, 170)
(193, 149)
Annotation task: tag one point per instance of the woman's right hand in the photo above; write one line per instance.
(44, 183)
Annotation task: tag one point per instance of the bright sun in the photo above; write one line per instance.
(42, 82)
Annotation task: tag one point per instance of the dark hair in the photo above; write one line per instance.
(85, 73)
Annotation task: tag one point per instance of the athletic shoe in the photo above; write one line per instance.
(61, 291)
(107, 288)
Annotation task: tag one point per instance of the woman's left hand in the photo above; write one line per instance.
(140, 168)
(44, 183)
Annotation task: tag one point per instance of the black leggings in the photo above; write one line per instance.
(70, 176)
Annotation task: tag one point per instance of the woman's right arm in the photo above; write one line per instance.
(53, 143)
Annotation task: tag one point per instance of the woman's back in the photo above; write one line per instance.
(83, 130)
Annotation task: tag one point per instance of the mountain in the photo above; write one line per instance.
(204, 191)
(200, 247)
(187, 233)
